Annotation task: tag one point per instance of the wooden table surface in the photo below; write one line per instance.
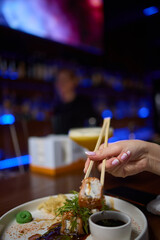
(22, 188)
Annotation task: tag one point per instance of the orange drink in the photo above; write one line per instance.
(87, 137)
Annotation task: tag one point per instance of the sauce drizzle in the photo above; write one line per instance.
(54, 233)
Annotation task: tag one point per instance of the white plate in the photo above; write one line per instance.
(10, 230)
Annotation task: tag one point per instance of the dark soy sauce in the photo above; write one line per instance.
(110, 222)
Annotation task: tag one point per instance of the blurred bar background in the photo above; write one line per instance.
(113, 47)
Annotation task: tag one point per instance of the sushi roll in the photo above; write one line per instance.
(90, 195)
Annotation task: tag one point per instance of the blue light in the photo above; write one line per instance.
(7, 119)
(119, 114)
(150, 11)
(119, 134)
(107, 113)
(113, 139)
(13, 76)
(118, 86)
(13, 162)
(143, 112)
(143, 133)
(86, 82)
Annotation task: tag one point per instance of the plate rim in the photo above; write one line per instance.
(145, 230)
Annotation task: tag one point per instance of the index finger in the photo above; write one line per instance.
(104, 153)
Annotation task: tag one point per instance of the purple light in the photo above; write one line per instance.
(96, 3)
(56, 20)
(36, 18)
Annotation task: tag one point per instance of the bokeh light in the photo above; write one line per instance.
(7, 119)
(107, 113)
(143, 112)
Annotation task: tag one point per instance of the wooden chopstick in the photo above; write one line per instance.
(105, 145)
(97, 146)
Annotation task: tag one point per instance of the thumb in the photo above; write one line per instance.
(113, 150)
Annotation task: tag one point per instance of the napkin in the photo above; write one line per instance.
(154, 206)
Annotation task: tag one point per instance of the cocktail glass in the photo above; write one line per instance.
(87, 137)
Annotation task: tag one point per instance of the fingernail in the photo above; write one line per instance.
(90, 153)
(115, 162)
(124, 156)
(128, 153)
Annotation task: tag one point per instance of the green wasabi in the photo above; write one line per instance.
(24, 217)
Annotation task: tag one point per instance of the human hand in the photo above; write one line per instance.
(124, 158)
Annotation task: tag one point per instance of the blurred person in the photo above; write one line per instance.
(71, 110)
(129, 157)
